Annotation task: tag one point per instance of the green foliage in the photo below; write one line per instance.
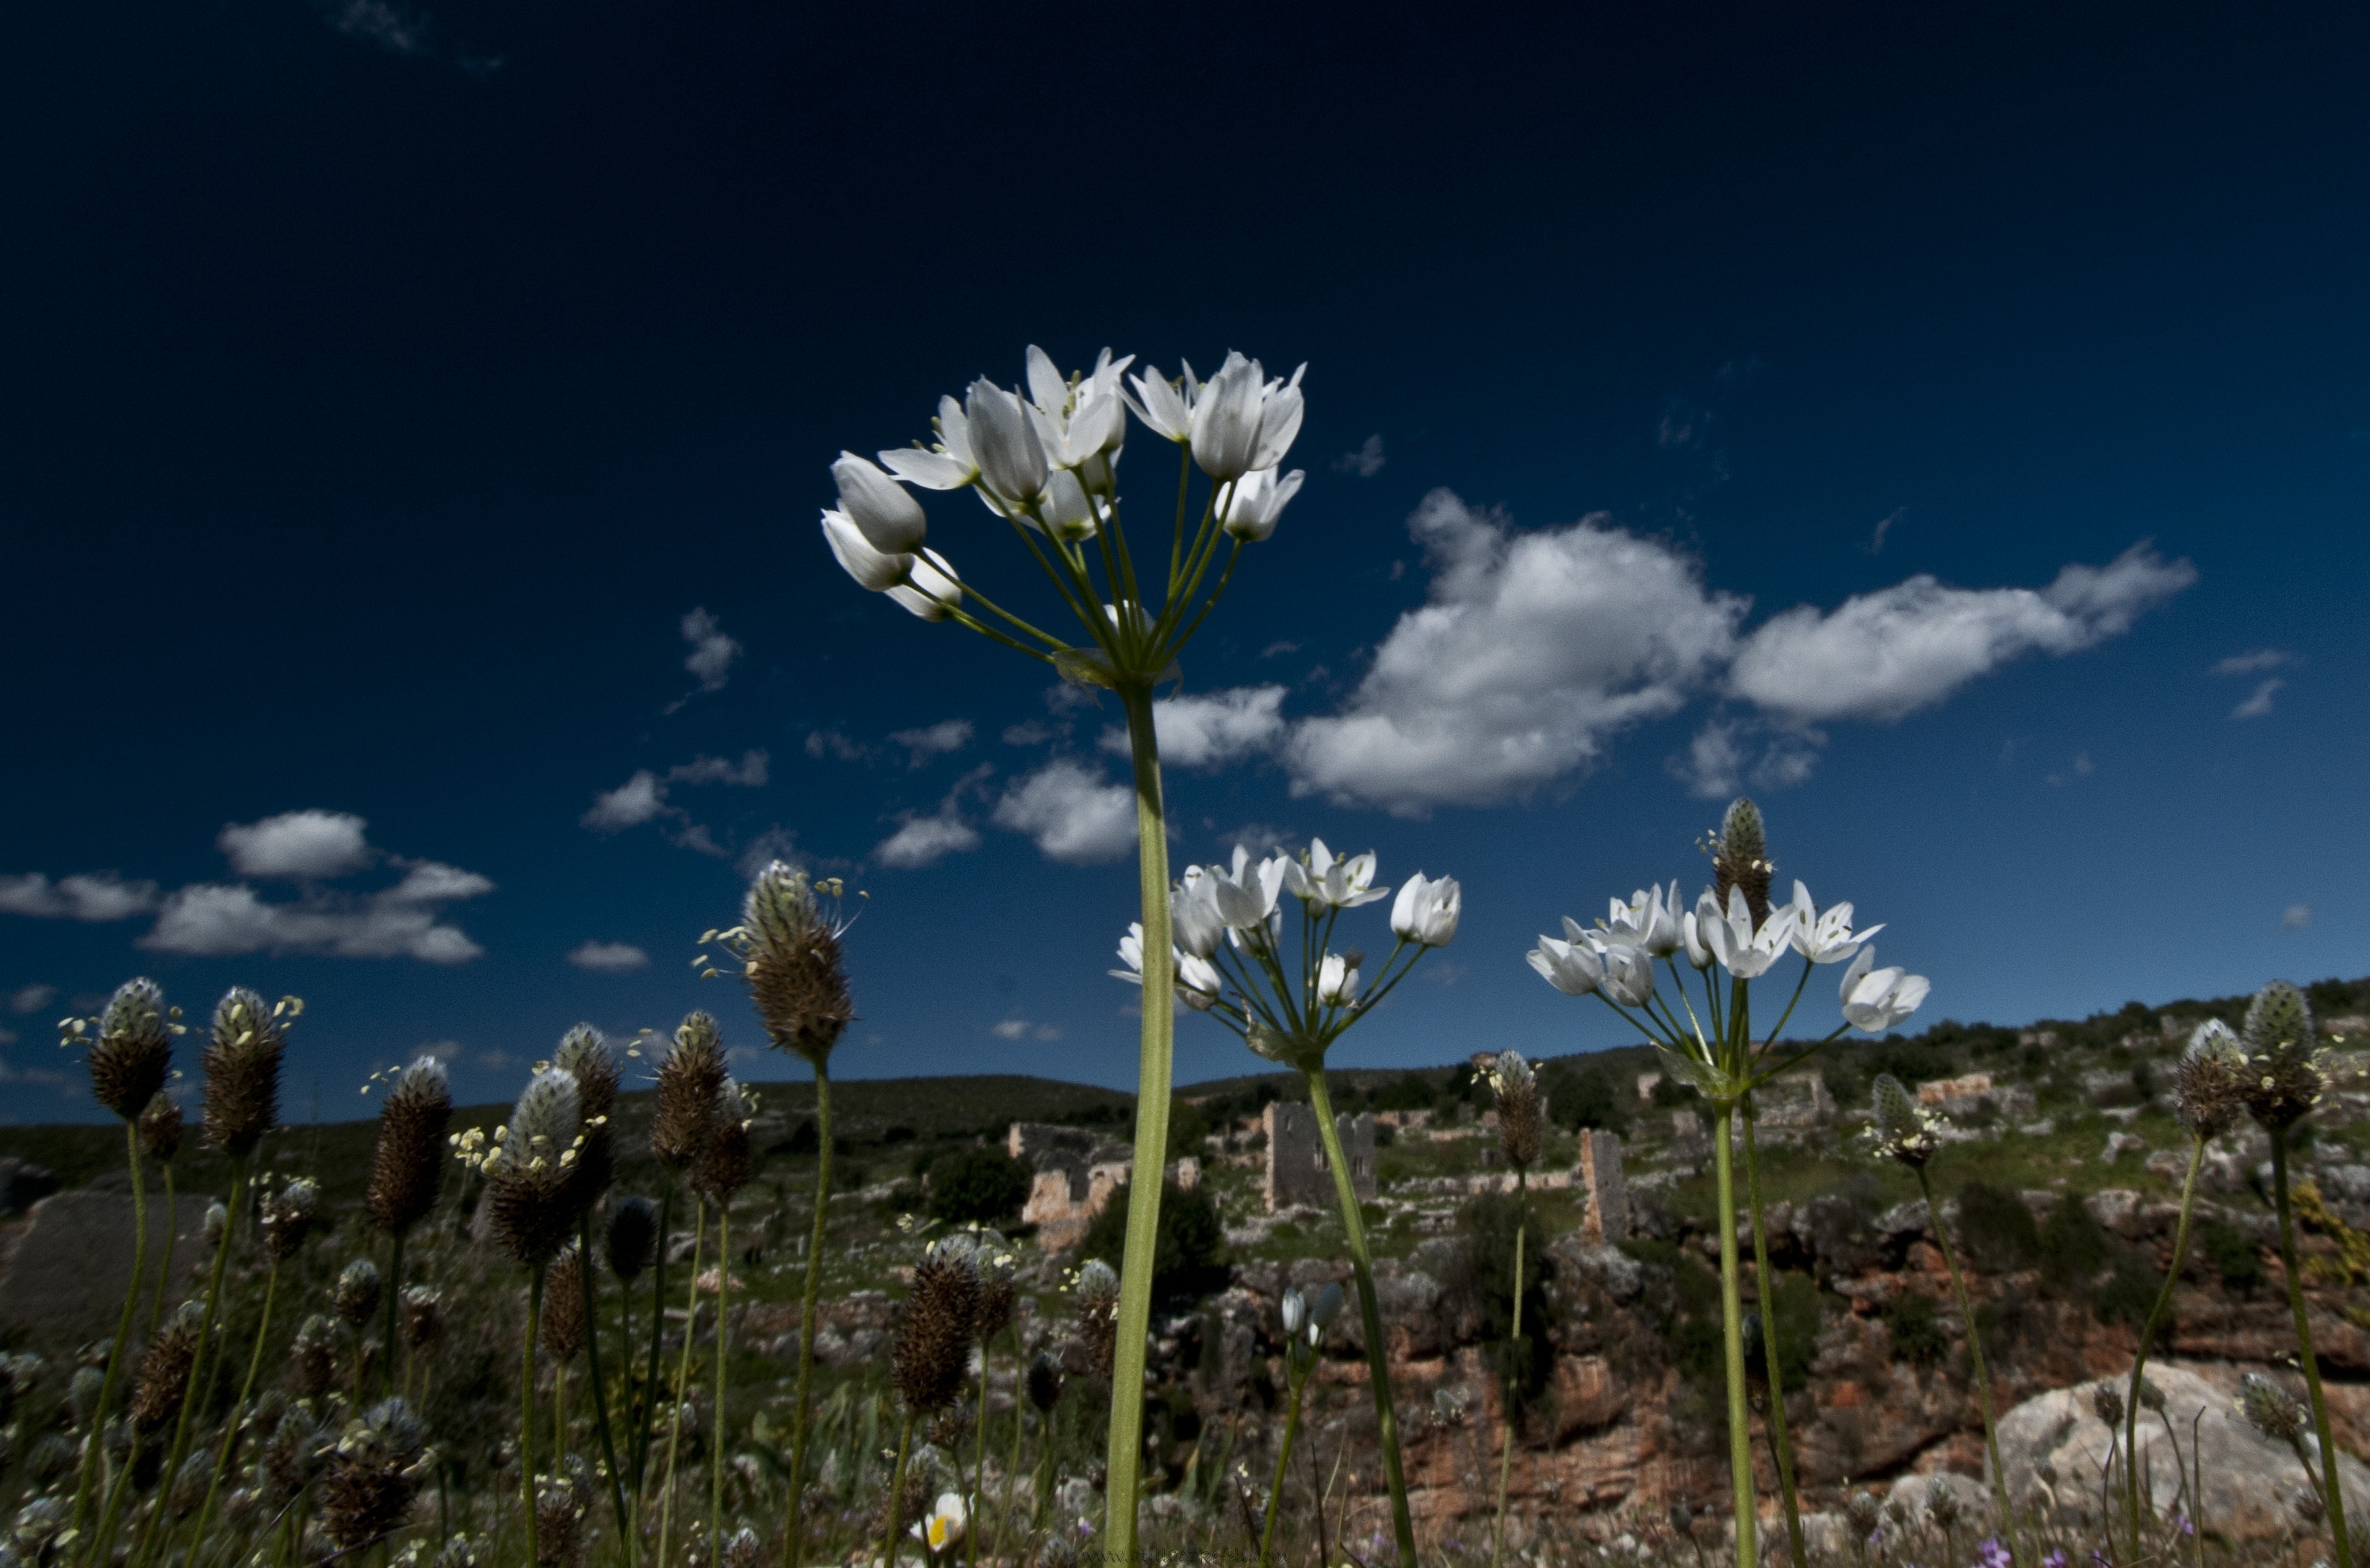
(1998, 1229)
(1918, 1338)
(2073, 1249)
(1410, 1092)
(1189, 1128)
(1487, 1222)
(1578, 1098)
(1670, 1093)
(1797, 1309)
(1189, 1258)
(2233, 1255)
(2128, 1293)
(983, 1186)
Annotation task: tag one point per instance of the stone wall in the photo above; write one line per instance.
(1297, 1171)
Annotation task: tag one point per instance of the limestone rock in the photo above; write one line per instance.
(71, 1265)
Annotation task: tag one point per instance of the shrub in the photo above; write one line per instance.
(2234, 1255)
(1577, 1099)
(2128, 1293)
(1187, 1259)
(977, 1186)
(1489, 1221)
(1796, 1307)
(2073, 1249)
(1188, 1129)
(1998, 1229)
(1410, 1092)
(1918, 1338)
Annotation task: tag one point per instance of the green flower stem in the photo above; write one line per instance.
(1781, 1446)
(2334, 1488)
(164, 1258)
(1012, 1472)
(979, 1464)
(682, 1382)
(723, 1348)
(1299, 1378)
(246, 1392)
(1370, 1313)
(1983, 1378)
(2156, 1321)
(897, 1493)
(159, 1531)
(394, 1300)
(648, 1403)
(1125, 1451)
(1506, 1452)
(803, 1417)
(94, 1441)
(599, 1382)
(526, 1406)
(1731, 1314)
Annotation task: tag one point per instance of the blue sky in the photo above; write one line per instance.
(1955, 432)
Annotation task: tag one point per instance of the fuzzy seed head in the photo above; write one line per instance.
(1044, 1381)
(1740, 858)
(530, 1175)
(407, 1163)
(2268, 1408)
(2106, 1403)
(134, 1049)
(992, 1256)
(420, 1317)
(288, 1216)
(312, 1358)
(1096, 1296)
(789, 949)
(933, 1349)
(2211, 1082)
(688, 1081)
(1903, 1129)
(1522, 1109)
(744, 1549)
(1942, 1507)
(242, 1066)
(160, 1129)
(563, 1306)
(726, 1163)
(164, 1377)
(2283, 1075)
(585, 1052)
(632, 1237)
(355, 1297)
(369, 1489)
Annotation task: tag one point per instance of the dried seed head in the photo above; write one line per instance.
(530, 1177)
(2268, 1408)
(134, 1049)
(1522, 1109)
(725, 1164)
(744, 1549)
(1096, 1297)
(188, 1488)
(688, 1079)
(2151, 1397)
(1044, 1381)
(1942, 1507)
(409, 1162)
(585, 1052)
(242, 1064)
(2284, 1076)
(2106, 1403)
(2211, 1081)
(994, 1258)
(632, 1237)
(354, 1299)
(160, 1129)
(288, 1216)
(563, 1306)
(1740, 858)
(369, 1489)
(789, 951)
(312, 1358)
(933, 1349)
(422, 1317)
(164, 1370)
(1866, 1513)
(83, 1391)
(1903, 1130)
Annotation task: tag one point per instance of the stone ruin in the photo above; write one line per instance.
(1297, 1171)
(1608, 1220)
(1076, 1171)
(1798, 1099)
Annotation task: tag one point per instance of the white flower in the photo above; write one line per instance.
(874, 571)
(946, 464)
(1069, 513)
(890, 519)
(1245, 897)
(1648, 921)
(1256, 500)
(1826, 938)
(1193, 914)
(1345, 882)
(1199, 983)
(1077, 421)
(1242, 423)
(1691, 934)
(944, 1526)
(1165, 410)
(1742, 951)
(1004, 443)
(931, 588)
(1294, 1311)
(1628, 974)
(1875, 1000)
(1570, 969)
(1337, 982)
(1426, 911)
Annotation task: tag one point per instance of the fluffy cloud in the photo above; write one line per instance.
(1884, 655)
(629, 805)
(85, 895)
(304, 844)
(31, 998)
(1021, 1029)
(922, 840)
(1075, 815)
(749, 773)
(2260, 702)
(2297, 917)
(712, 652)
(1213, 730)
(937, 740)
(2254, 662)
(1532, 649)
(218, 920)
(1366, 462)
(609, 958)
(643, 797)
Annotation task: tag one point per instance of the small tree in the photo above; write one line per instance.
(977, 1186)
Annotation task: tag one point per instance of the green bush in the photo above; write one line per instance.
(1918, 1338)
(2233, 1255)
(1797, 1309)
(2128, 1294)
(1578, 1099)
(1998, 1229)
(1410, 1092)
(1188, 1129)
(1489, 1221)
(977, 1186)
(2073, 1249)
(1188, 1258)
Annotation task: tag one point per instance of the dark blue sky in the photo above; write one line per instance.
(393, 398)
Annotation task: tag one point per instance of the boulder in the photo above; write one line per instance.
(2054, 1444)
(70, 1269)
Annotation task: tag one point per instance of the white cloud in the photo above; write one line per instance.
(824, 743)
(1884, 655)
(629, 805)
(31, 998)
(376, 21)
(1032, 733)
(431, 882)
(1532, 649)
(1366, 462)
(1062, 698)
(1021, 1029)
(2082, 769)
(922, 840)
(2253, 663)
(1714, 765)
(643, 797)
(712, 652)
(936, 740)
(749, 773)
(216, 920)
(1075, 815)
(2260, 703)
(84, 896)
(302, 844)
(1256, 837)
(1209, 731)
(1276, 648)
(775, 843)
(2297, 917)
(609, 958)
(1884, 526)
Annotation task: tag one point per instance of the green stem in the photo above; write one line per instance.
(1124, 1453)
(600, 1386)
(1731, 1314)
(650, 1400)
(802, 1414)
(2334, 1487)
(1012, 1472)
(723, 1348)
(158, 1530)
(1975, 1352)
(246, 1392)
(2155, 1321)
(526, 1407)
(682, 1381)
(95, 1439)
(1284, 1455)
(1766, 1281)
(1378, 1362)
(979, 1464)
(1513, 1343)
(165, 1259)
(896, 1493)
(394, 1300)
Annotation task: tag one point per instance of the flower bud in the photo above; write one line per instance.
(1097, 1299)
(688, 1079)
(242, 1068)
(563, 1306)
(1741, 859)
(407, 1165)
(133, 1051)
(355, 1297)
(160, 1129)
(421, 1319)
(288, 1218)
(2106, 1403)
(2211, 1081)
(2284, 1078)
(933, 1348)
(2268, 1408)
